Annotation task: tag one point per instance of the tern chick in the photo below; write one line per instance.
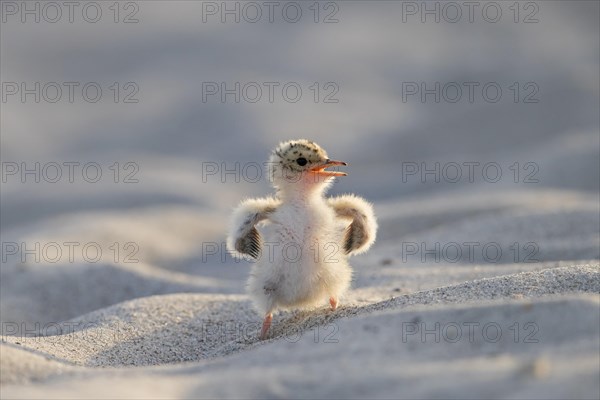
(299, 238)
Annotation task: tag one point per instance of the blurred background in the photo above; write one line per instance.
(174, 103)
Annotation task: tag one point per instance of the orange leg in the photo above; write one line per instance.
(333, 302)
(266, 326)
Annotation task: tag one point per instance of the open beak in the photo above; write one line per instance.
(320, 169)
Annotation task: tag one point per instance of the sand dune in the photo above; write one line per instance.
(189, 330)
(524, 345)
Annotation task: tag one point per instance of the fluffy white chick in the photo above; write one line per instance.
(299, 238)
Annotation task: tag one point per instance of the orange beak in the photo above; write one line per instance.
(320, 169)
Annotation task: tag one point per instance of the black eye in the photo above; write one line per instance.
(301, 161)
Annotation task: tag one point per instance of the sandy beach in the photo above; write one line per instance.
(484, 281)
(414, 330)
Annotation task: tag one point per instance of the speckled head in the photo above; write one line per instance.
(294, 160)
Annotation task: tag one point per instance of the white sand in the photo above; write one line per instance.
(177, 324)
(527, 330)
(351, 353)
